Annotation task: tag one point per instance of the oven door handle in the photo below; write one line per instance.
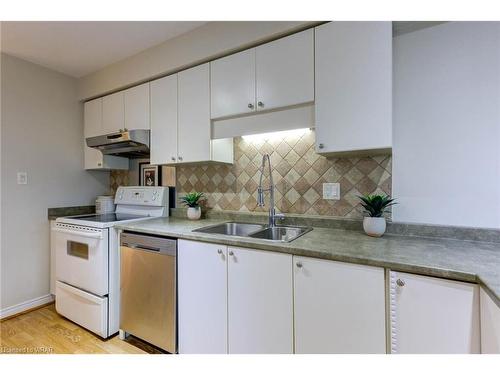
(78, 233)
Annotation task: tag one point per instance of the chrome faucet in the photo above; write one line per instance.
(260, 192)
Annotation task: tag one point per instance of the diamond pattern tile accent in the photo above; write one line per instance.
(299, 173)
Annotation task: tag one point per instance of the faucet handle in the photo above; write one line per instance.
(260, 197)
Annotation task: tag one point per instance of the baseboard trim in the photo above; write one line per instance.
(22, 307)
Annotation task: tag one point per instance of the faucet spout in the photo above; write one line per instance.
(260, 191)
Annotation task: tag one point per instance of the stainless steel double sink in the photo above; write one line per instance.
(257, 231)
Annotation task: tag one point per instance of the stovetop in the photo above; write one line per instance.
(107, 218)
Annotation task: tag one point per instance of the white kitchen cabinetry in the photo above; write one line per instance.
(180, 120)
(260, 302)
(274, 75)
(434, 316)
(93, 158)
(285, 71)
(339, 307)
(353, 80)
(136, 106)
(164, 120)
(113, 113)
(490, 324)
(202, 298)
(232, 86)
(234, 300)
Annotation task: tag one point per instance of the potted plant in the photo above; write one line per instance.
(375, 205)
(192, 201)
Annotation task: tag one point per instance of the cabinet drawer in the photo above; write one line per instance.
(83, 308)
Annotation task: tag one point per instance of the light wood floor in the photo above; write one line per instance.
(45, 331)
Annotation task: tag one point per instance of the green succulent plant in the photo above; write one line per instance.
(375, 204)
(192, 199)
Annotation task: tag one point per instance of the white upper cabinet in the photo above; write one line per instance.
(113, 113)
(232, 86)
(490, 324)
(433, 316)
(164, 120)
(339, 307)
(92, 114)
(136, 105)
(285, 71)
(353, 80)
(194, 128)
(260, 302)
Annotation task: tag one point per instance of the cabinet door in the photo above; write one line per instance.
(194, 114)
(93, 158)
(92, 118)
(285, 71)
(164, 120)
(490, 324)
(353, 73)
(232, 84)
(202, 297)
(339, 307)
(136, 106)
(434, 316)
(113, 113)
(260, 302)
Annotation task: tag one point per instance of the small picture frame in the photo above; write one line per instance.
(149, 175)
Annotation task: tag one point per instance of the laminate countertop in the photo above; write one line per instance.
(470, 261)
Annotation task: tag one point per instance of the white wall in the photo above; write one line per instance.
(42, 133)
(446, 152)
(202, 44)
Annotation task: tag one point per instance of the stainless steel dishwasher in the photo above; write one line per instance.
(148, 308)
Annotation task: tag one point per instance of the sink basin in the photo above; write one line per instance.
(282, 234)
(232, 229)
(279, 234)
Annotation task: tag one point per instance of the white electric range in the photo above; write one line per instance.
(88, 258)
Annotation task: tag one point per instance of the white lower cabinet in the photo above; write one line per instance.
(432, 315)
(260, 302)
(339, 307)
(234, 300)
(490, 324)
(202, 298)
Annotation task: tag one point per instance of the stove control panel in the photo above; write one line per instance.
(142, 195)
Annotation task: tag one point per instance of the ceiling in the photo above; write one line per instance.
(80, 48)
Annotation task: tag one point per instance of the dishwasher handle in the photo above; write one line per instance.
(159, 245)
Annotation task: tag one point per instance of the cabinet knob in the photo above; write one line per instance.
(260, 104)
(299, 265)
(99, 164)
(321, 145)
(219, 251)
(180, 158)
(231, 253)
(400, 282)
(250, 105)
(173, 158)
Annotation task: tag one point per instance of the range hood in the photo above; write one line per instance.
(130, 143)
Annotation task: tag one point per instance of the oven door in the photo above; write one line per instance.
(82, 257)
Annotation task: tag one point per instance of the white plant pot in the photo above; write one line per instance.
(374, 226)
(194, 213)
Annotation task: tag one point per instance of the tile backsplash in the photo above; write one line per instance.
(298, 172)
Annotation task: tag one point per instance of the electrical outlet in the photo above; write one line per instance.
(22, 178)
(331, 190)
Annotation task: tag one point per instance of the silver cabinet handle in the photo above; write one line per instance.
(173, 158)
(180, 158)
(400, 282)
(321, 145)
(231, 253)
(260, 104)
(99, 164)
(250, 105)
(299, 265)
(219, 251)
